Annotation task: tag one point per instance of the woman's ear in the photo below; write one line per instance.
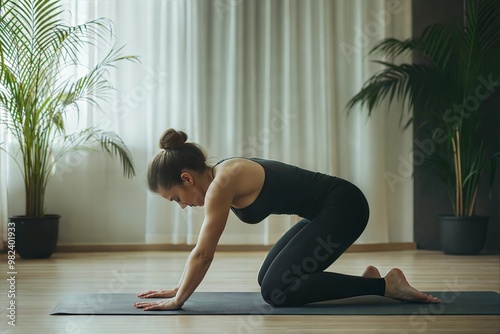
(186, 177)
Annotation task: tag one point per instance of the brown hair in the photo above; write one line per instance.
(175, 156)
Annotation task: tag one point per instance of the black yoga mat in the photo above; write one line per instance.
(454, 303)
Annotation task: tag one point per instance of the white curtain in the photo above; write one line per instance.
(3, 188)
(263, 78)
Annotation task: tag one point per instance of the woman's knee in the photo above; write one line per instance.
(277, 294)
(274, 296)
(280, 297)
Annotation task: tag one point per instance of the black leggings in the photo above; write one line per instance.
(293, 272)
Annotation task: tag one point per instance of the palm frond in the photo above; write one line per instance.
(404, 83)
(392, 47)
(90, 139)
(112, 144)
(94, 83)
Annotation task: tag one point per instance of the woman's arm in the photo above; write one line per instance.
(217, 204)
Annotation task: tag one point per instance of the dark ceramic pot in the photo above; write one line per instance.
(36, 237)
(462, 235)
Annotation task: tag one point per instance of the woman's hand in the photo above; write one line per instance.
(165, 304)
(157, 294)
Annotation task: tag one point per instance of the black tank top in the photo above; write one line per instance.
(289, 190)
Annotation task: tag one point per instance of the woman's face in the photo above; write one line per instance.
(186, 194)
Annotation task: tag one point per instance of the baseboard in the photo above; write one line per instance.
(382, 247)
(379, 247)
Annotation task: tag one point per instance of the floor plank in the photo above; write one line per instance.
(40, 284)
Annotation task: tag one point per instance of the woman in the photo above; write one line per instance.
(334, 212)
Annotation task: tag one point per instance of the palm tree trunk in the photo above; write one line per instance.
(471, 207)
(460, 194)
(34, 187)
(458, 174)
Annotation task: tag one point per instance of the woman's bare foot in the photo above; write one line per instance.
(397, 287)
(371, 272)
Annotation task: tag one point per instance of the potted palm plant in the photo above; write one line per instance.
(450, 94)
(38, 50)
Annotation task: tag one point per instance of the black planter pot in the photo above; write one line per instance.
(36, 237)
(462, 235)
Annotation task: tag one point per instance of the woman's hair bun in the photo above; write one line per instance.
(172, 139)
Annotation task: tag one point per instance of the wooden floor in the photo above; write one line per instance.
(40, 284)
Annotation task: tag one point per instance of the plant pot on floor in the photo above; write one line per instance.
(36, 237)
(462, 235)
